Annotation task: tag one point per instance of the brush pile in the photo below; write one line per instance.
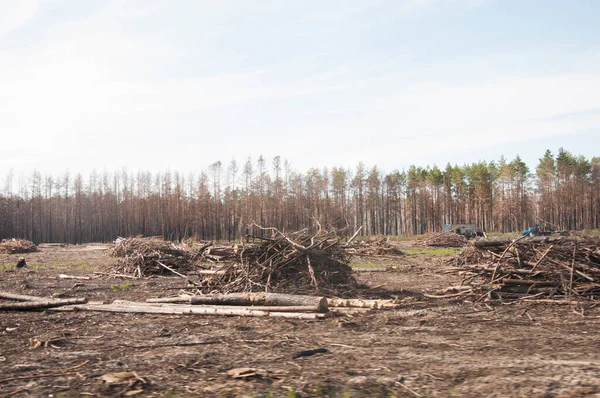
(297, 262)
(535, 267)
(377, 247)
(444, 239)
(140, 256)
(12, 246)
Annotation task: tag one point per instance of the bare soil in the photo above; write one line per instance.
(428, 348)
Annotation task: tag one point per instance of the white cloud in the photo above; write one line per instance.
(91, 93)
(15, 14)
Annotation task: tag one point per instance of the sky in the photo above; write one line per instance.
(156, 85)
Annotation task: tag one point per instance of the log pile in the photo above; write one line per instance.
(299, 262)
(34, 302)
(535, 267)
(13, 246)
(444, 239)
(377, 247)
(235, 304)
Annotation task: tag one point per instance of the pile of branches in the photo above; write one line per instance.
(380, 246)
(12, 246)
(444, 239)
(139, 256)
(299, 262)
(528, 267)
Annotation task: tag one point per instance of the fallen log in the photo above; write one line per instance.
(65, 276)
(20, 297)
(39, 304)
(350, 310)
(116, 275)
(176, 299)
(186, 310)
(319, 304)
(308, 308)
(210, 272)
(360, 303)
(177, 273)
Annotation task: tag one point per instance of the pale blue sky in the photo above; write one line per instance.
(181, 84)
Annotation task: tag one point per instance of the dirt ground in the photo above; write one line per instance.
(427, 348)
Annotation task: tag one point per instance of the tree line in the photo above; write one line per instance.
(222, 201)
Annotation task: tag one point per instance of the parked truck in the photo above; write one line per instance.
(467, 230)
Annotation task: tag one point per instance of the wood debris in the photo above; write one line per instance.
(34, 302)
(313, 303)
(245, 373)
(140, 256)
(361, 303)
(14, 245)
(39, 304)
(379, 246)
(121, 306)
(299, 262)
(539, 267)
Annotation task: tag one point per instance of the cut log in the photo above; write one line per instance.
(65, 276)
(297, 308)
(171, 309)
(210, 272)
(359, 303)
(38, 304)
(350, 310)
(116, 275)
(177, 299)
(20, 297)
(319, 304)
(186, 310)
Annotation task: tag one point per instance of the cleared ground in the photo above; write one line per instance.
(429, 347)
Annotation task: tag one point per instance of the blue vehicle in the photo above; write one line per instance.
(533, 231)
(545, 231)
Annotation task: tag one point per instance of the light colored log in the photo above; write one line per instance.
(177, 299)
(38, 304)
(65, 276)
(20, 297)
(551, 301)
(355, 235)
(170, 309)
(265, 299)
(210, 272)
(359, 303)
(176, 273)
(296, 315)
(350, 310)
(297, 308)
(186, 310)
(116, 275)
